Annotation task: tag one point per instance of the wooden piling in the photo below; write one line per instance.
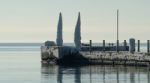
(148, 47)
(138, 45)
(103, 45)
(90, 46)
(125, 44)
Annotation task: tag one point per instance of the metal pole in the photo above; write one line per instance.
(138, 45)
(117, 48)
(117, 24)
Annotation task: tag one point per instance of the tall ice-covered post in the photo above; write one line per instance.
(77, 33)
(59, 39)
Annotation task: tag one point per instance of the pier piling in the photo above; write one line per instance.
(138, 45)
(148, 47)
(125, 44)
(132, 45)
(103, 45)
(90, 46)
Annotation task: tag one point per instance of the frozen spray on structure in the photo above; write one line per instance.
(59, 39)
(77, 34)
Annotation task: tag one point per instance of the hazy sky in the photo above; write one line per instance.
(36, 20)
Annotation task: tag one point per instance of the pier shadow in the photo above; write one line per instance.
(92, 74)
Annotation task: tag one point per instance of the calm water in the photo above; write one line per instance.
(21, 64)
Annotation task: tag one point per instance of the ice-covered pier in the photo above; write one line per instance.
(113, 54)
(70, 55)
(121, 58)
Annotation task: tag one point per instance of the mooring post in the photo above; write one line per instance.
(132, 45)
(138, 45)
(90, 46)
(148, 47)
(117, 47)
(125, 44)
(103, 45)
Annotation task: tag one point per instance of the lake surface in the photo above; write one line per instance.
(21, 64)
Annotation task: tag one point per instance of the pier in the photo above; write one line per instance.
(109, 53)
(99, 55)
(125, 55)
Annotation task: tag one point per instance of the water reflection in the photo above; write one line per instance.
(94, 74)
(76, 71)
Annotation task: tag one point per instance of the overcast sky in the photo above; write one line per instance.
(36, 20)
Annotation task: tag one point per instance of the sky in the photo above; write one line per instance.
(36, 20)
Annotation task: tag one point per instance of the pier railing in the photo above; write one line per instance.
(132, 46)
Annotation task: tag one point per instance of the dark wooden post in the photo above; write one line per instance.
(103, 45)
(138, 45)
(125, 45)
(90, 46)
(148, 47)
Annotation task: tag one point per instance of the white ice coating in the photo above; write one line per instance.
(59, 39)
(77, 33)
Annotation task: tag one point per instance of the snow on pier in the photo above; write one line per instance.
(121, 58)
